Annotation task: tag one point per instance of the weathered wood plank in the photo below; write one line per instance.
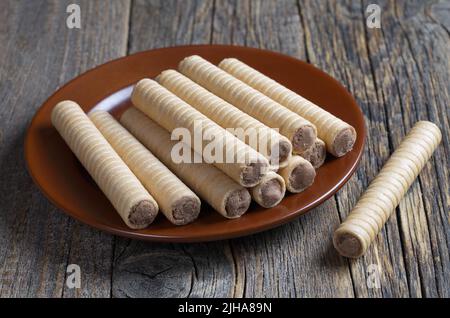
(38, 53)
(372, 65)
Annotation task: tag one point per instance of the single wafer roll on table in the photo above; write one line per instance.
(357, 232)
(298, 175)
(300, 131)
(246, 166)
(270, 191)
(225, 195)
(316, 154)
(337, 134)
(128, 196)
(263, 139)
(177, 202)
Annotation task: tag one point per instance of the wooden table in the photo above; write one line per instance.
(398, 74)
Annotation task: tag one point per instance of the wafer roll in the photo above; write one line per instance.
(177, 202)
(133, 203)
(246, 166)
(263, 139)
(212, 185)
(337, 134)
(317, 154)
(357, 232)
(298, 175)
(300, 131)
(270, 191)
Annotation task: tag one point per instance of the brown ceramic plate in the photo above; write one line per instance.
(66, 183)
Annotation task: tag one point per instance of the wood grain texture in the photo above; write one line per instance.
(38, 53)
(398, 74)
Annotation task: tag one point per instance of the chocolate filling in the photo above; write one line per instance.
(271, 193)
(237, 203)
(304, 138)
(302, 177)
(317, 155)
(344, 142)
(185, 210)
(142, 214)
(348, 245)
(284, 149)
(252, 173)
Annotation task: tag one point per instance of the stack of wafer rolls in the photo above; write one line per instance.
(337, 134)
(225, 195)
(357, 232)
(182, 206)
(265, 140)
(301, 132)
(131, 200)
(298, 175)
(246, 166)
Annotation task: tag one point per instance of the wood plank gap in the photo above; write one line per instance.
(303, 26)
(129, 25)
(213, 13)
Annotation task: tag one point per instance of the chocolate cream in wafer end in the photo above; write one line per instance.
(353, 237)
(338, 135)
(134, 204)
(298, 175)
(224, 194)
(247, 166)
(301, 132)
(177, 202)
(317, 154)
(270, 191)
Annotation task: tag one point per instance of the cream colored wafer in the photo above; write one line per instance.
(357, 232)
(177, 202)
(265, 140)
(270, 191)
(337, 134)
(212, 185)
(245, 165)
(298, 175)
(316, 154)
(300, 131)
(133, 203)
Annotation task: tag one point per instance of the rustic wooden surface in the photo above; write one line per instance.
(398, 74)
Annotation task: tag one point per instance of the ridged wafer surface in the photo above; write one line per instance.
(270, 191)
(356, 233)
(337, 134)
(133, 203)
(300, 131)
(256, 134)
(169, 191)
(207, 181)
(246, 166)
